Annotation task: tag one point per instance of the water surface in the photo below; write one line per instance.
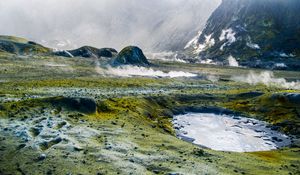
(228, 133)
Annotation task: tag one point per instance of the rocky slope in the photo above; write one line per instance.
(257, 33)
(21, 46)
(130, 55)
(88, 52)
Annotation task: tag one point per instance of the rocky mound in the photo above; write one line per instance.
(88, 52)
(21, 46)
(131, 55)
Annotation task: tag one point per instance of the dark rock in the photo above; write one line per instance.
(61, 124)
(187, 139)
(250, 94)
(42, 157)
(287, 98)
(56, 140)
(82, 105)
(78, 149)
(35, 131)
(277, 139)
(7, 47)
(88, 52)
(156, 171)
(131, 55)
(293, 98)
(198, 152)
(275, 128)
(21, 146)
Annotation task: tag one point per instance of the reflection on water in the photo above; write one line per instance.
(228, 133)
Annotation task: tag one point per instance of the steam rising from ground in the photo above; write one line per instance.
(232, 61)
(213, 78)
(267, 78)
(130, 71)
(165, 56)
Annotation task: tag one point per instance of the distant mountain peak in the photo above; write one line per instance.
(264, 30)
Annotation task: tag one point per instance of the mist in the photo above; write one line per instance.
(131, 71)
(160, 25)
(267, 78)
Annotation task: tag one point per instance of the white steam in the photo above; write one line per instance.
(130, 71)
(165, 56)
(209, 42)
(152, 25)
(233, 62)
(213, 78)
(267, 78)
(207, 61)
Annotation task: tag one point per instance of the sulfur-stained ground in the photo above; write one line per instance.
(60, 116)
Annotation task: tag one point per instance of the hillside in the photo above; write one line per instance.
(21, 46)
(257, 33)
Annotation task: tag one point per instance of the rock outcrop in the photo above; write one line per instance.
(88, 52)
(131, 55)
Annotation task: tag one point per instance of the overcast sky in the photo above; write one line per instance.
(150, 24)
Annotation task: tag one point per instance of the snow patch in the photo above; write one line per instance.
(229, 36)
(285, 55)
(67, 52)
(209, 42)
(251, 44)
(280, 65)
(194, 41)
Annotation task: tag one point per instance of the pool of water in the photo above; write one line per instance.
(228, 133)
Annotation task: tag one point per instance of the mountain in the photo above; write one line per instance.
(178, 25)
(258, 33)
(21, 46)
(131, 55)
(88, 52)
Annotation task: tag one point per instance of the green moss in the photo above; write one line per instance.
(272, 108)
(13, 39)
(136, 125)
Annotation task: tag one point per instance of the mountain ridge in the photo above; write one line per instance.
(257, 33)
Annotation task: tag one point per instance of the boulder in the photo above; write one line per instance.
(131, 55)
(82, 105)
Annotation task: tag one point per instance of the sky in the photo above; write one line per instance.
(154, 25)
